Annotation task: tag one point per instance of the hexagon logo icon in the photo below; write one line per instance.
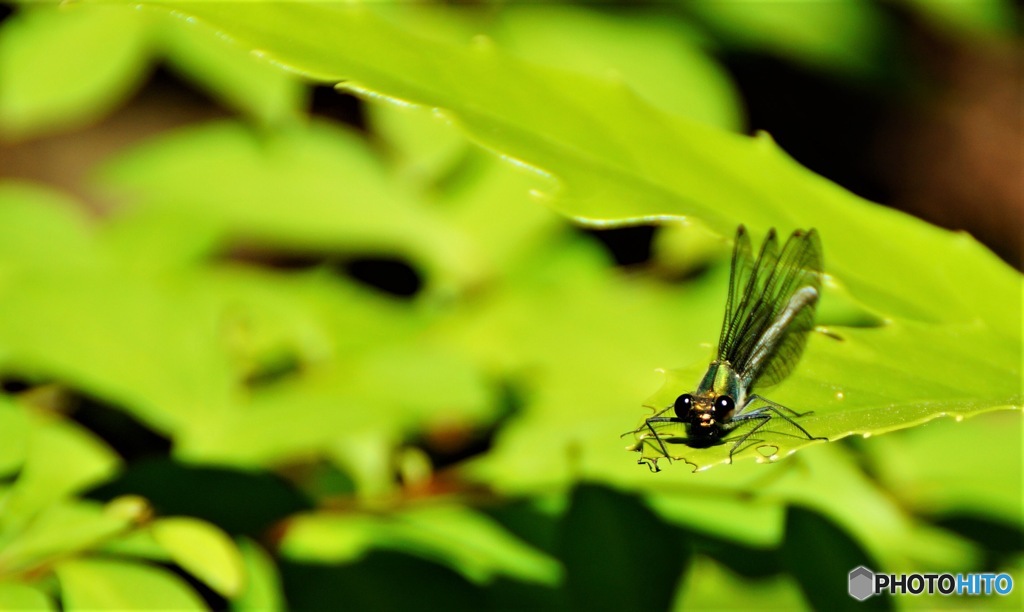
(862, 583)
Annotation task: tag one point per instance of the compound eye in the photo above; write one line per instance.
(684, 403)
(723, 406)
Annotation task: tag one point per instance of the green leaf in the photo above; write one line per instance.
(89, 584)
(62, 459)
(841, 35)
(949, 467)
(237, 78)
(60, 530)
(17, 596)
(306, 189)
(650, 53)
(25, 209)
(818, 554)
(641, 558)
(204, 551)
(14, 434)
(709, 585)
(65, 66)
(988, 18)
(262, 590)
(458, 537)
(422, 145)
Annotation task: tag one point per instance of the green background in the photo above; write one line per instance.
(206, 405)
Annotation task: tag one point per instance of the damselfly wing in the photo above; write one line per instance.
(768, 315)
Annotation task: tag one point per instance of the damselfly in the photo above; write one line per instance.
(768, 316)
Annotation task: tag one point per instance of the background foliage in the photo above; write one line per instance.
(277, 359)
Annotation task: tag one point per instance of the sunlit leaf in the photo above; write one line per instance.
(204, 551)
(14, 434)
(237, 78)
(263, 585)
(62, 459)
(60, 68)
(17, 596)
(60, 530)
(90, 584)
(461, 538)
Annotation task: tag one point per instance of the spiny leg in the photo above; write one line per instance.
(776, 405)
(773, 407)
(765, 418)
(661, 443)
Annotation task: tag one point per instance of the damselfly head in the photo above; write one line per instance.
(706, 416)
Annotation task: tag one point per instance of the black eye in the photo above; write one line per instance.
(723, 406)
(683, 405)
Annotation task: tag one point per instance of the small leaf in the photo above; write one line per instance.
(62, 459)
(91, 584)
(204, 551)
(262, 590)
(17, 596)
(458, 537)
(231, 73)
(64, 66)
(60, 530)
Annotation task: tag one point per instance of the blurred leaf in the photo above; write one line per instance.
(63, 66)
(829, 482)
(60, 530)
(18, 596)
(948, 467)
(491, 204)
(648, 52)
(14, 435)
(204, 551)
(819, 554)
(382, 392)
(972, 17)
(26, 212)
(99, 332)
(236, 77)
(709, 585)
(62, 460)
(423, 145)
(839, 35)
(618, 554)
(263, 585)
(458, 537)
(308, 189)
(89, 584)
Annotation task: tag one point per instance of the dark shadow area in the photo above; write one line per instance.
(617, 554)
(379, 581)
(392, 275)
(241, 503)
(1001, 542)
(129, 437)
(628, 246)
(340, 106)
(820, 555)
